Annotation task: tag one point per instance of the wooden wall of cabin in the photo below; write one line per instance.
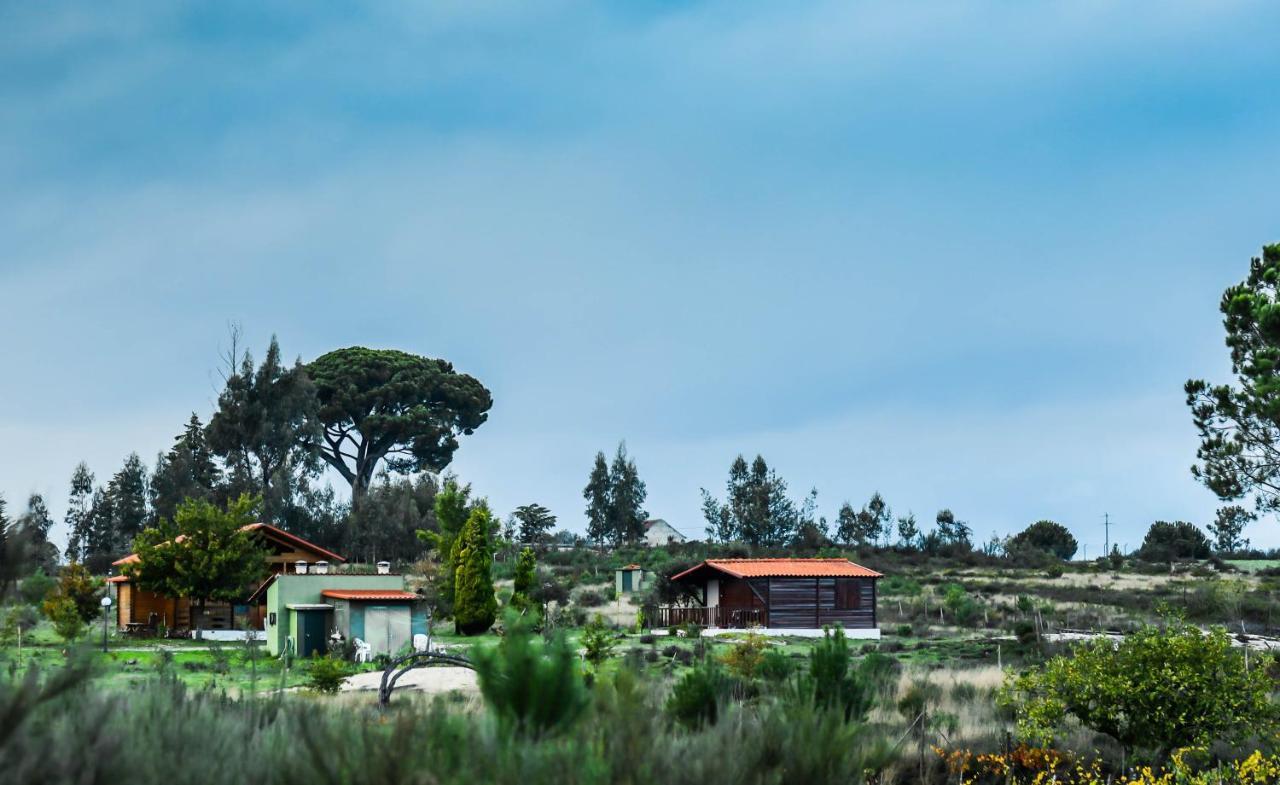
(809, 603)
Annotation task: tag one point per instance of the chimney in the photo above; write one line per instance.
(300, 567)
(384, 568)
(321, 568)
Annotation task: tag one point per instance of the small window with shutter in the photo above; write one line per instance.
(848, 594)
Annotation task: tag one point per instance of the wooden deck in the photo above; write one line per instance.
(715, 616)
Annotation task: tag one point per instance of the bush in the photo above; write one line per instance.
(833, 683)
(775, 666)
(1055, 571)
(648, 638)
(1049, 537)
(589, 598)
(1166, 542)
(1157, 689)
(695, 700)
(65, 616)
(326, 674)
(533, 689)
(35, 587)
(744, 657)
(599, 641)
(1025, 632)
(903, 630)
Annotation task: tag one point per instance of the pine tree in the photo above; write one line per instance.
(474, 606)
(598, 503)
(33, 528)
(453, 508)
(130, 510)
(627, 493)
(1228, 527)
(757, 509)
(953, 532)
(536, 522)
(908, 531)
(78, 521)
(187, 471)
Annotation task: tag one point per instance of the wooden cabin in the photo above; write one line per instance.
(137, 609)
(790, 596)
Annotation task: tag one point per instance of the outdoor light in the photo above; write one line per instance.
(106, 603)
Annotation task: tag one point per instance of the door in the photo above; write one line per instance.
(313, 633)
(626, 580)
(386, 628)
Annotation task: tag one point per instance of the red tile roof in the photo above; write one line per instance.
(785, 568)
(267, 529)
(368, 594)
(632, 567)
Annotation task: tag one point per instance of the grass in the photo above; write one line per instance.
(1253, 565)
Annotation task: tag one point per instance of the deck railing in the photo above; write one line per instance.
(714, 616)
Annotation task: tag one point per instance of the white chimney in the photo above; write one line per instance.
(300, 567)
(384, 568)
(321, 568)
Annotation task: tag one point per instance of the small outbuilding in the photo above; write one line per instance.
(628, 579)
(304, 611)
(787, 596)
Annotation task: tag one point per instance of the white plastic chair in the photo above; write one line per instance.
(420, 642)
(364, 652)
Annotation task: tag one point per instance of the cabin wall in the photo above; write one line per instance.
(807, 603)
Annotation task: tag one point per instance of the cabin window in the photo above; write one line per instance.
(848, 594)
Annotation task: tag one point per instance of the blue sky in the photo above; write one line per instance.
(962, 253)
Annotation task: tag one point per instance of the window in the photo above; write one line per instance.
(848, 594)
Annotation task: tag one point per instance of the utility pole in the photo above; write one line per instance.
(1106, 523)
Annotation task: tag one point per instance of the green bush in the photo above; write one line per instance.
(696, 699)
(533, 689)
(833, 682)
(326, 674)
(599, 640)
(474, 605)
(744, 657)
(775, 666)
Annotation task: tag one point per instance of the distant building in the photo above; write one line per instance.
(628, 580)
(659, 532)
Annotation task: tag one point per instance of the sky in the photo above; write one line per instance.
(962, 253)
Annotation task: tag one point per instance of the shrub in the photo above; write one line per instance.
(474, 605)
(775, 666)
(744, 657)
(1166, 542)
(695, 700)
(525, 580)
(66, 619)
(534, 689)
(1025, 631)
(903, 630)
(326, 674)
(1054, 571)
(693, 630)
(648, 638)
(1048, 537)
(35, 587)
(598, 639)
(589, 598)
(1157, 688)
(832, 681)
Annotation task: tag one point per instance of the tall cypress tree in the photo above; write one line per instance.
(187, 471)
(525, 579)
(474, 605)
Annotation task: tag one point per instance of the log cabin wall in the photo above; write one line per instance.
(808, 603)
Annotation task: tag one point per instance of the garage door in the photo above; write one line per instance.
(386, 628)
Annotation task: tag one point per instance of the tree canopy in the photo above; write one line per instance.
(1048, 536)
(615, 497)
(1167, 541)
(756, 509)
(1239, 426)
(384, 405)
(204, 553)
(535, 522)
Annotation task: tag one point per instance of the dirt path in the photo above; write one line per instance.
(435, 680)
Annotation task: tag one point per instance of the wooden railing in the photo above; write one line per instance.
(714, 616)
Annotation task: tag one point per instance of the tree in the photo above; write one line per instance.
(1228, 528)
(33, 526)
(204, 553)
(597, 495)
(1170, 541)
(533, 689)
(1047, 536)
(78, 521)
(953, 532)
(1239, 427)
(453, 508)
(77, 586)
(188, 471)
(264, 427)
(382, 405)
(627, 493)
(1157, 689)
(908, 531)
(865, 526)
(67, 623)
(384, 524)
(756, 509)
(535, 522)
(525, 582)
(127, 495)
(474, 606)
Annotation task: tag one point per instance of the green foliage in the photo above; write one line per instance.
(745, 657)
(1156, 689)
(82, 589)
(188, 471)
(1171, 541)
(866, 526)
(475, 606)
(1228, 528)
(959, 604)
(598, 640)
(35, 587)
(615, 497)
(533, 688)
(833, 682)
(775, 665)
(453, 506)
(326, 674)
(205, 553)
(756, 509)
(1049, 537)
(379, 405)
(67, 622)
(1239, 426)
(535, 523)
(697, 698)
(525, 581)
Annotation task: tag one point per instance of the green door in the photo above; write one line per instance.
(313, 633)
(626, 580)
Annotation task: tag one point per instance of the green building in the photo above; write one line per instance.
(304, 610)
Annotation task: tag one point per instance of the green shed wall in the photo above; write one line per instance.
(290, 589)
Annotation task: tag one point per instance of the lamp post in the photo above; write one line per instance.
(106, 603)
